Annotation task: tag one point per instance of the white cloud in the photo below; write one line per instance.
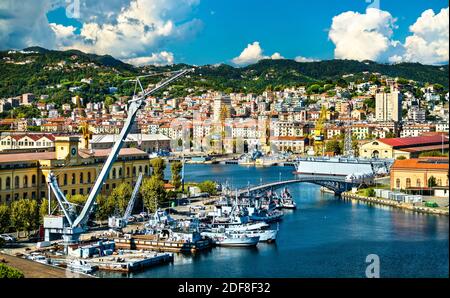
(122, 28)
(430, 40)
(23, 24)
(162, 58)
(304, 59)
(276, 56)
(252, 54)
(369, 36)
(364, 36)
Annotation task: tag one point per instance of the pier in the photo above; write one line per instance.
(131, 262)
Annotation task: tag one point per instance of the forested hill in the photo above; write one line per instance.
(50, 72)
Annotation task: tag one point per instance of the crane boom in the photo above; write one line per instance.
(135, 104)
(133, 198)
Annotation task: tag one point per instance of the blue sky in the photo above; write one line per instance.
(216, 31)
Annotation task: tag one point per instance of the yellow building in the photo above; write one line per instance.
(407, 147)
(23, 175)
(414, 174)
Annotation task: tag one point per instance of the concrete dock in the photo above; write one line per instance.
(33, 269)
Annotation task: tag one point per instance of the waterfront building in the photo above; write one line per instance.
(416, 174)
(408, 147)
(23, 175)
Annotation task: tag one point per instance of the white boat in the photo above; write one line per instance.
(264, 235)
(286, 201)
(245, 227)
(263, 215)
(81, 266)
(232, 239)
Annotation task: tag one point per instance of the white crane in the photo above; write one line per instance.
(121, 222)
(73, 224)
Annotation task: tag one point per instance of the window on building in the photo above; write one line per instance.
(81, 178)
(418, 183)
(1, 184)
(65, 179)
(140, 169)
(74, 192)
(43, 179)
(16, 182)
(439, 182)
(33, 180)
(128, 171)
(114, 173)
(408, 182)
(25, 181)
(81, 191)
(120, 172)
(73, 179)
(89, 177)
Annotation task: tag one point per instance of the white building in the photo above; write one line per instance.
(388, 106)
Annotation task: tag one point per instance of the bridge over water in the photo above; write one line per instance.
(334, 183)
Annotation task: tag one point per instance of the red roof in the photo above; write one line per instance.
(414, 141)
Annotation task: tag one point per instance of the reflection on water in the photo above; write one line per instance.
(324, 237)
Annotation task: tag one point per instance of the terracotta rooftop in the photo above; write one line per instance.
(436, 163)
(414, 141)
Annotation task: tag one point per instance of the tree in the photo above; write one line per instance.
(432, 181)
(153, 193)
(4, 218)
(208, 186)
(334, 146)
(9, 272)
(24, 215)
(369, 192)
(105, 207)
(78, 200)
(158, 167)
(43, 209)
(175, 169)
(120, 196)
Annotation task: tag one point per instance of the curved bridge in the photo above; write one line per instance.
(334, 183)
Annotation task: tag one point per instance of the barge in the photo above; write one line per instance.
(157, 243)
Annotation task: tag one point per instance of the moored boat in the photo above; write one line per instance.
(232, 239)
(81, 266)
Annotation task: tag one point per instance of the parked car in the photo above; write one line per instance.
(8, 238)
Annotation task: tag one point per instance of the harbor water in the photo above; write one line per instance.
(324, 237)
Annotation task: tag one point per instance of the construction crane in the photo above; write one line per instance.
(118, 223)
(319, 132)
(72, 224)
